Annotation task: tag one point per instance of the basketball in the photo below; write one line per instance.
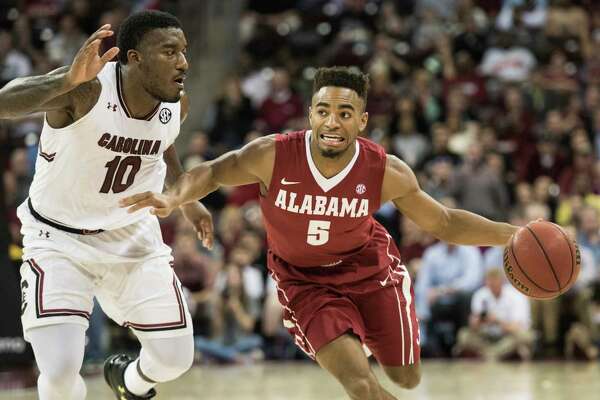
(541, 261)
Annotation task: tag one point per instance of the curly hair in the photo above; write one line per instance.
(134, 28)
(347, 77)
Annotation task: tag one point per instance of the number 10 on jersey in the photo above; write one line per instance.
(116, 170)
(318, 232)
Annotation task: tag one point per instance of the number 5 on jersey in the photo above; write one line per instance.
(318, 232)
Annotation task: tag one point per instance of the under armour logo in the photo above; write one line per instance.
(44, 233)
(113, 106)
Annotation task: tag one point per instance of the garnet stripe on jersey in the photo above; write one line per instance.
(47, 157)
(42, 312)
(165, 326)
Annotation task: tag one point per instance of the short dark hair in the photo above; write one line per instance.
(347, 77)
(133, 29)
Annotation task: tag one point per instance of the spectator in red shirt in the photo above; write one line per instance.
(282, 105)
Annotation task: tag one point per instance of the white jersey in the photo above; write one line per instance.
(83, 170)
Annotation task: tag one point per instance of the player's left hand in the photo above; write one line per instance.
(200, 217)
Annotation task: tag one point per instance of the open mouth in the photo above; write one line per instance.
(179, 81)
(331, 139)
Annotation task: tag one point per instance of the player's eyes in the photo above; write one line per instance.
(322, 113)
(346, 115)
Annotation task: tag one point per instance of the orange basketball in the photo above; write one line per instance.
(541, 261)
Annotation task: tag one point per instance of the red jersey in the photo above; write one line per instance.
(316, 223)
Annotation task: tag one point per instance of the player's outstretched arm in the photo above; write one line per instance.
(451, 225)
(253, 163)
(50, 92)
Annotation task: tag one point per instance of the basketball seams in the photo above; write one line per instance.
(570, 252)
(512, 250)
(545, 256)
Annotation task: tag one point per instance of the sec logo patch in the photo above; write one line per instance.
(164, 115)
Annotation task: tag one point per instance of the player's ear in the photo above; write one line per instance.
(133, 56)
(364, 118)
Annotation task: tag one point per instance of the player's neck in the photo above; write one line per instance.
(139, 102)
(327, 166)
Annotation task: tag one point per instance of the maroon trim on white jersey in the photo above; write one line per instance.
(46, 156)
(40, 310)
(164, 326)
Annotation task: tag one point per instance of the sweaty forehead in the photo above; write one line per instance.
(334, 95)
(159, 37)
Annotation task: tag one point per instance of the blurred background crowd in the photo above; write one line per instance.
(494, 103)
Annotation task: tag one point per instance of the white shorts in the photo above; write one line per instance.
(128, 270)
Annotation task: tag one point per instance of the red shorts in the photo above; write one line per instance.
(380, 310)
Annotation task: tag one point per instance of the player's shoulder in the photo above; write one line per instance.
(261, 146)
(80, 100)
(293, 136)
(90, 89)
(396, 166)
(369, 145)
(374, 153)
(258, 154)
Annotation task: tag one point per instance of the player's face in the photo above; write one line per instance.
(337, 117)
(163, 63)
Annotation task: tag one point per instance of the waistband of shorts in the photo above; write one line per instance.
(58, 226)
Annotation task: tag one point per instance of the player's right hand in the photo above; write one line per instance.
(160, 204)
(87, 62)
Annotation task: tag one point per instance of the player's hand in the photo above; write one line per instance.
(200, 217)
(160, 204)
(87, 62)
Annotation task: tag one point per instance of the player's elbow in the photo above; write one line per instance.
(442, 228)
(205, 174)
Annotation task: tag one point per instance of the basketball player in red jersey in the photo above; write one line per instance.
(339, 275)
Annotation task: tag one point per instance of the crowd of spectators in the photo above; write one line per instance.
(494, 103)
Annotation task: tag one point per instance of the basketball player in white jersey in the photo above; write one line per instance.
(109, 129)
